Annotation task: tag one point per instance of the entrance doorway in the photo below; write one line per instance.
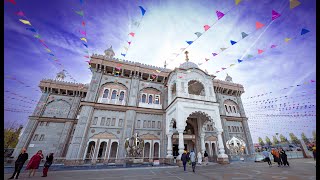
(175, 150)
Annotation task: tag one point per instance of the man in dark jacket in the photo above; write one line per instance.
(184, 160)
(19, 163)
(47, 164)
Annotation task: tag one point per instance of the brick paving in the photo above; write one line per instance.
(303, 169)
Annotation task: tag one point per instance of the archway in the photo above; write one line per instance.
(113, 152)
(196, 88)
(156, 151)
(146, 152)
(90, 150)
(102, 151)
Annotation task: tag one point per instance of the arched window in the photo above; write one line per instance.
(157, 99)
(121, 96)
(150, 99)
(234, 108)
(226, 108)
(230, 108)
(105, 93)
(143, 98)
(114, 94)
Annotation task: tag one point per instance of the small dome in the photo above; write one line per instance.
(188, 65)
(109, 52)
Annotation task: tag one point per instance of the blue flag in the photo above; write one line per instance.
(239, 61)
(31, 29)
(189, 42)
(304, 31)
(124, 55)
(85, 45)
(143, 11)
(233, 42)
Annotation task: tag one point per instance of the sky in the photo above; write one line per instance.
(163, 31)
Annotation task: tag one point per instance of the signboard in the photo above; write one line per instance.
(31, 145)
(156, 162)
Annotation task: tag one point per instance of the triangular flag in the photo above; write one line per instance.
(83, 23)
(83, 32)
(243, 34)
(287, 39)
(124, 55)
(237, 1)
(223, 68)
(25, 21)
(273, 46)
(249, 56)
(79, 12)
(294, 3)
(189, 42)
(312, 81)
(304, 31)
(219, 14)
(239, 61)
(132, 34)
(233, 42)
(84, 39)
(85, 45)
(129, 42)
(37, 36)
(51, 54)
(198, 34)
(217, 71)
(86, 56)
(231, 65)
(81, 1)
(48, 50)
(222, 49)
(199, 64)
(275, 15)
(206, 59)
(214, 54)
(259, 25)
(158, 71)
(31, 29)
(206, 27)
(12, 1)
(126, 48)
(260, 51)
(86, 51)
(143, 11)
(20, 13)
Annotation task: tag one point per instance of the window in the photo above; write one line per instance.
(114, 94)
(35, 137)
(103, 120)
(241, 129)
(157, 99)
(159, 125)
(121, 96)
(120, 122)
(238, 129)
(144, 124)
(226, 108)
(95, 120)
(230, 108)
(138, 124)
(113, 122)
(41, 123)
(150, 99)
(108, 121)
(47, 124)
(41, 137)
(149, 124)
(153, 124)
(234, 108)
(105, 93)
(143, 98)
(229, 129)
(233, 129)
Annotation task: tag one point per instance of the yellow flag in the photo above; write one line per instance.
(294, 3)
(84, 39)
(237, 1)
(25, 22)
(126, 48)
(287, 39)
(231, 65)
(158, 71)
(48, 50)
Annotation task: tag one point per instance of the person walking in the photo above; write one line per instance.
(283, 157)
(47, 164)
(276, 156)
(265, 153)
(22, 158)
(193, 160)
(199, 158)
(184, 160)
(206, 157)
(314, 152)
(34, 163)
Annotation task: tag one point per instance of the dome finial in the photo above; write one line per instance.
(187, 58)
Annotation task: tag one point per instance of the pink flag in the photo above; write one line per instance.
(129, 42)
(223, 68)
(260, 51)
(217, 71)
(259, 25)
(20, 13)
(132, 34)
(275, 15)
(219, 14)
(312, 80)
(83, 32)
(86, 56)
(83, 23)
(273, 46)
(12, 1)
(206, 27)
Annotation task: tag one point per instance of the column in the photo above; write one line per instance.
(221, 147)
(122, 71)
(181, 143)
(203, 147)
(149, 77)
(210, 149)
(130, 74)
(169, 148)
(113, 71)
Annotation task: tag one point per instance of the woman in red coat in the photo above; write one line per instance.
(34, 163)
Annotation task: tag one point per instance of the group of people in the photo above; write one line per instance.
(33, 164)
(279, 156)
(186, 157)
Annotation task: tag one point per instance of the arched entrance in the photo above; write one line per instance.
(113, 152)
(102, 151)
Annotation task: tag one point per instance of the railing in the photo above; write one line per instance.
(111, 101)
(290, 154)
(147, 105)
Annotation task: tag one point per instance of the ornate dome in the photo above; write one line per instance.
(188, 65)
(109, 52)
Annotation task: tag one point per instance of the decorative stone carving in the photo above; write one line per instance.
(236, 146)
(149, 136)
(134, 146)
(104, 136)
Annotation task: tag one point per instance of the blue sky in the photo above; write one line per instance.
(164, 30)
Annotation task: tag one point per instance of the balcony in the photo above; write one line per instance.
(147, 105)
(111, 101)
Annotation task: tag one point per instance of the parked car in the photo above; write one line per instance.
(259, 158)
(294, 148)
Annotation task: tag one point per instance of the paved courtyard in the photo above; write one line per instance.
(303, 169)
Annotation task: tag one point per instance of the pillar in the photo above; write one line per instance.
(203, 147)
(169, 148)
(181, 143)
(222, 157)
